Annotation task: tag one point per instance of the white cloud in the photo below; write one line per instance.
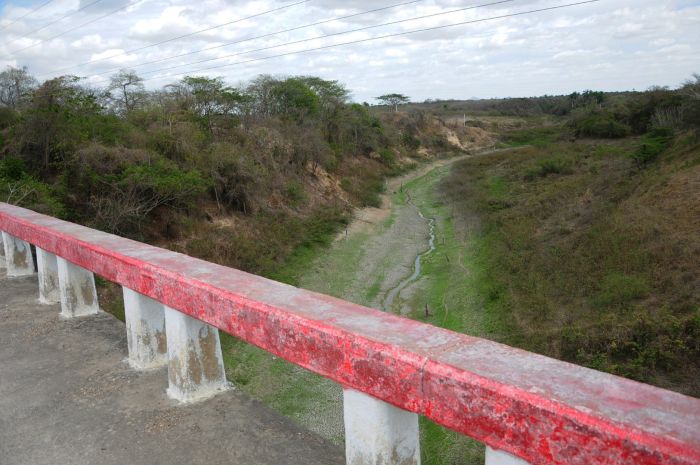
(606, 45)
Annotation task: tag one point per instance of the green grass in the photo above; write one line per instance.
(618, 289)
(319, 231)
(537, 136)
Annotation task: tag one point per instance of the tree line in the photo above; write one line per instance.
(117, 157)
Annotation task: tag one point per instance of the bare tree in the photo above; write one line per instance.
(691, 87)
(126, 91)
(15, 86)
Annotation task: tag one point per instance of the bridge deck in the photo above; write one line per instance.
(67, 396)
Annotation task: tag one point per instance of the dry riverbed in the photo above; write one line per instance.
(376, 253)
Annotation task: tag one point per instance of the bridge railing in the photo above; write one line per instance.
(525, 407)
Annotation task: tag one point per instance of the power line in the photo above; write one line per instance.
(432, 15)
(427, 29)
(55, 21)
(318, 23)
(26, 14)
(124, 7)
(180, 37)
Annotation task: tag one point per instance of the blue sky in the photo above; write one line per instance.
(608, 45)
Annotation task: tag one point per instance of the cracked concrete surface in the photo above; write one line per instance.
(68, 396)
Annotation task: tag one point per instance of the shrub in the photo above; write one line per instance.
(387, 156)
(12, 169)
(653, 144)
(17, 187)
(115, 188)
(365, 189)
(8, 117)
(410, 141)
(600, 125)
(547, 166)
(294, 191)
(667, 117)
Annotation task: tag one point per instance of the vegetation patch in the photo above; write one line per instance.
(652, 145)
(588, 267)
(600, 124)
(537, 136)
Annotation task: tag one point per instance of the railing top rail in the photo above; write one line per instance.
(543, 410)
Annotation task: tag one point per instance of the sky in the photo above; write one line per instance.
(605, 45)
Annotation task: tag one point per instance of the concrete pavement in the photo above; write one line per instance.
(68, 396)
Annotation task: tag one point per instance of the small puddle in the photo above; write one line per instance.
(396, 291)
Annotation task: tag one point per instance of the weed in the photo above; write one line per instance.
(653, 144)
(618, 289)
(537, 136)
(547, 166)
(294, 191)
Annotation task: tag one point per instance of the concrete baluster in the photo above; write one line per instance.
(378, 433)
(77, 290)
(145, 331)
(18, 256)
(195, 363)
(497, 457)
(2, 252)
(47, 265)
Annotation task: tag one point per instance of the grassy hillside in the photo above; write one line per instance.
(587, 250)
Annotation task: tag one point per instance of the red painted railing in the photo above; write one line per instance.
(537, 408)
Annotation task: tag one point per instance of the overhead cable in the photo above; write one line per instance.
(124, 7)
(26, 14)
(240, 41)
(325, 36)
(56, 21)
(397, 34)
(190, 34)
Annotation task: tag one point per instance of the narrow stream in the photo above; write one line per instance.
(396, 291)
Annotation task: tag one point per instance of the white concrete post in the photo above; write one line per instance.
(77, 289)
(195, 363)
(18, 256)
(2, 252)
(378, 433)
(145, 331)
(47, 266)
(497, 457)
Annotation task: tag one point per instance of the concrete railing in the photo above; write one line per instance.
(525, 407)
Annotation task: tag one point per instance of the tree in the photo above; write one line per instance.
(593, 97)
(574, 97)
(293, 97)
(333, 97)
(126, 91)
(393, 99)
(260, 92)
(209, 98)
(60, 115)
(15, 86)
(691, 87)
